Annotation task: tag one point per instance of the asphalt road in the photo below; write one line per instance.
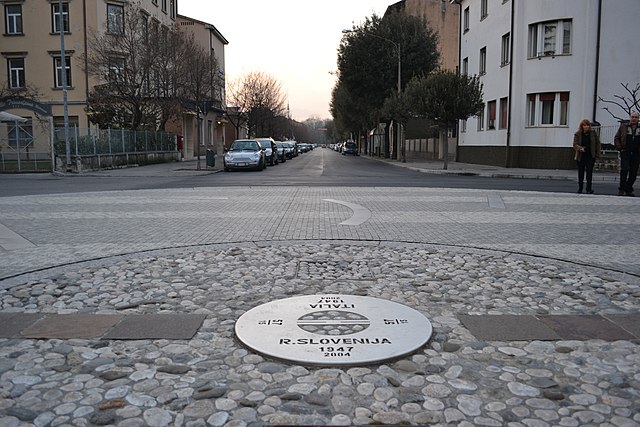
(320, 167)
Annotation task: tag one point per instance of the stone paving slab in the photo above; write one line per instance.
(508, 328)
(629, 322)
(11, 324)
(94, 326)
(552, 327)
(67, 326)
(581, 327)
(156, 326)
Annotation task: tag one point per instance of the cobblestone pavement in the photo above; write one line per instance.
(218, 252)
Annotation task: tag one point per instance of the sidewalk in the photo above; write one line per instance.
(458, 168)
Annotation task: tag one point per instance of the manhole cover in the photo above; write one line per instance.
(333, 329)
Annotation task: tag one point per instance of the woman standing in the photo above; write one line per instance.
(587, 145)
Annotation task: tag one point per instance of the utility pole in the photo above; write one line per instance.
(63, 72)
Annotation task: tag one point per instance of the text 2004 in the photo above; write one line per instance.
(336, 351)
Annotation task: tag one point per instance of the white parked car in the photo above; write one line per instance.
(245, 154)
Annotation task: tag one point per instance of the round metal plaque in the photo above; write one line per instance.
(333, 329)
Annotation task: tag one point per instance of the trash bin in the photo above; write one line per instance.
(211, 158)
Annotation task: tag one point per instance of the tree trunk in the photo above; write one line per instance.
(445, 148)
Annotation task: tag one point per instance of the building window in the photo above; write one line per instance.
(55, 17)
(58, 76)
(465, 67)
(484, 11)
(463, 126)
(16, 73)
(155, 2)
(547, 100)
(481, 119)
(566, 37)
(504, 112)
(491, 115)
(20, 134)
(143, 21)
(13, 19)
(58, 121)
(164, 6)
(550, 38)
(483, 61)
(506, 50)
(116, 70)
(115, 19)
(548, 109)
(465, 20)
(172, 9)
(531, 110)
(564, 108)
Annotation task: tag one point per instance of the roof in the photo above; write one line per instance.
(8, 117)
(207, 26)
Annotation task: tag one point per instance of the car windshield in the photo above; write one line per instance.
(244, 145)
(350, 144)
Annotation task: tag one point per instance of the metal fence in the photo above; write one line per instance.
(24, 148)
(606, 134)
(27, 147)
(88, 142)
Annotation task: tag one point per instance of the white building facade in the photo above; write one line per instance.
(544, 65)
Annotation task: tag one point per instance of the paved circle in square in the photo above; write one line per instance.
(333, 329)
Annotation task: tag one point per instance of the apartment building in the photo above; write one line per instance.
(212, 125)
(31, 50)
(544, 66)
(443, 17)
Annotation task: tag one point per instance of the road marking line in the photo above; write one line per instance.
(10, 240)
(360, 213)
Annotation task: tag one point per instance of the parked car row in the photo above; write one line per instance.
(257, 153)
(346, 147)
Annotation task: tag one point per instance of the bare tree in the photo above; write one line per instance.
(135, 62)
(260, 97)
(26, 92)
(627, 103)
(197, 83)
(238, 109)
(165, 75)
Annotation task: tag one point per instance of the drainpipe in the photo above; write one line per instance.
(508, 162)
(86, 50)
(458, 73)
(597, 72)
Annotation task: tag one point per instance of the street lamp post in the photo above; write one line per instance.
(396, 45)
(63, 72)
(63, 76)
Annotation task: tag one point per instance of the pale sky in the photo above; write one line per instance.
(294, 41)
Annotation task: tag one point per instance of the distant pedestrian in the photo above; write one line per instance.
(627, 141)
(586, 142)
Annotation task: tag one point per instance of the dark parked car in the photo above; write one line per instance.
(282, 151)
(350, 147)
(270, 150)
(291, 150)
(244, 154)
